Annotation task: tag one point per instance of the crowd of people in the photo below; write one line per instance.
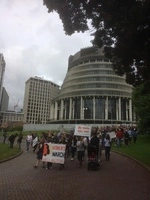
(77, 146)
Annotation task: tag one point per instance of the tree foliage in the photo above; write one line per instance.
(141, 102)
(121, 26)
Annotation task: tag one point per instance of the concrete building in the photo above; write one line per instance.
(4, 100)
(2, 71)
(11, 118)
(92, 93)
(37, 100)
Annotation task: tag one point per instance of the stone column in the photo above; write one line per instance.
(106, 108)
(81, 108)
(119, 108)
(94, 107)
(73, 108)
(61, 109)
(127, 110)
(70, 109)
(52, 112)
(130, 110)
(56, 108)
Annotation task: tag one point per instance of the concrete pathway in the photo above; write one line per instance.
(117, 179)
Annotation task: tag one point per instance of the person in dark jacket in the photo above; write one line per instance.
(19, 140)
(95, 140)
(12, 140)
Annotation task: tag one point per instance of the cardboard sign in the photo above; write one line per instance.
(82, 130)
(35, 141)
(54, 153)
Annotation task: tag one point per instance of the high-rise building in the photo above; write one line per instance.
(92, 92)
(37, 100)
(2, 71)
(4, 100)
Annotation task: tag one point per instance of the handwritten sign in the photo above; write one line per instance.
(82, 130)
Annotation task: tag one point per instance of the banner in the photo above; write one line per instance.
(82, 130)
(54, 153)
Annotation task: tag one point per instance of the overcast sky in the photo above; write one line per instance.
(34, 43)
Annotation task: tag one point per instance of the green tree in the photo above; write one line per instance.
(141, 102)
(121, 26)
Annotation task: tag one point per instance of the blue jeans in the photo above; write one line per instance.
(28, 145)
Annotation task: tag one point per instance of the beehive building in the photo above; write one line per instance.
(92, 93)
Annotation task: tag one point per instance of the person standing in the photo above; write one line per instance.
(107, 146)
(100, 147)
(119, 136)
(80, 150)
(95, 141)
(39, 152)
(73, 147)
(19, 140)
(28, 141)
(5, 136)
(134, 135)
(126, 138)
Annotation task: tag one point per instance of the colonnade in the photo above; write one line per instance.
(103, 108)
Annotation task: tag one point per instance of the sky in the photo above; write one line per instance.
(34, 43)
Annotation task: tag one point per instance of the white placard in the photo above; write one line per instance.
(82, 130)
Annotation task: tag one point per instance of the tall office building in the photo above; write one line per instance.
(92, 93)
(37, 100)
(4, 100)
(2, 71)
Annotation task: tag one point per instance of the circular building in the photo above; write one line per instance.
(92, 92)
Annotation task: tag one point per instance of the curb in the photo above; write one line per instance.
(12, 157)
(138, 162)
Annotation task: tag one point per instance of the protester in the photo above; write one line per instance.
(5, 136)
(126, 138)
(107, 147)
(80, 150)
(134, 134)
(95, 141)
(100, 147)
(28, 141)
(119, 136)
(39, 151)
(12, 139)
(73, 147)
(19, 140)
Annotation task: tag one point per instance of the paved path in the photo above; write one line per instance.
(117, 179)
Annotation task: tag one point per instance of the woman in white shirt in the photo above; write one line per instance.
(107, 145)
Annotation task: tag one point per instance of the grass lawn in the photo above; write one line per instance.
(7, 152)
(140, 151)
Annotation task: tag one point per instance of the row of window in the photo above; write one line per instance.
(90, 72)
(43, 82)
(95, 85)
(95, 78)
(88, 61)
(96, 93)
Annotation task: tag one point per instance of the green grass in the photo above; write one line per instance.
(6, 152)
(140, 151)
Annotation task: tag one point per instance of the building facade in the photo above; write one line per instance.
(92, 93)
(2, 71)
(4, 100)
(37, 100)
(11, 118)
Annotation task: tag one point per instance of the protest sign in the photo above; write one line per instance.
(112, 134)
(54, 153)
(35, 141)
(82, 130)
